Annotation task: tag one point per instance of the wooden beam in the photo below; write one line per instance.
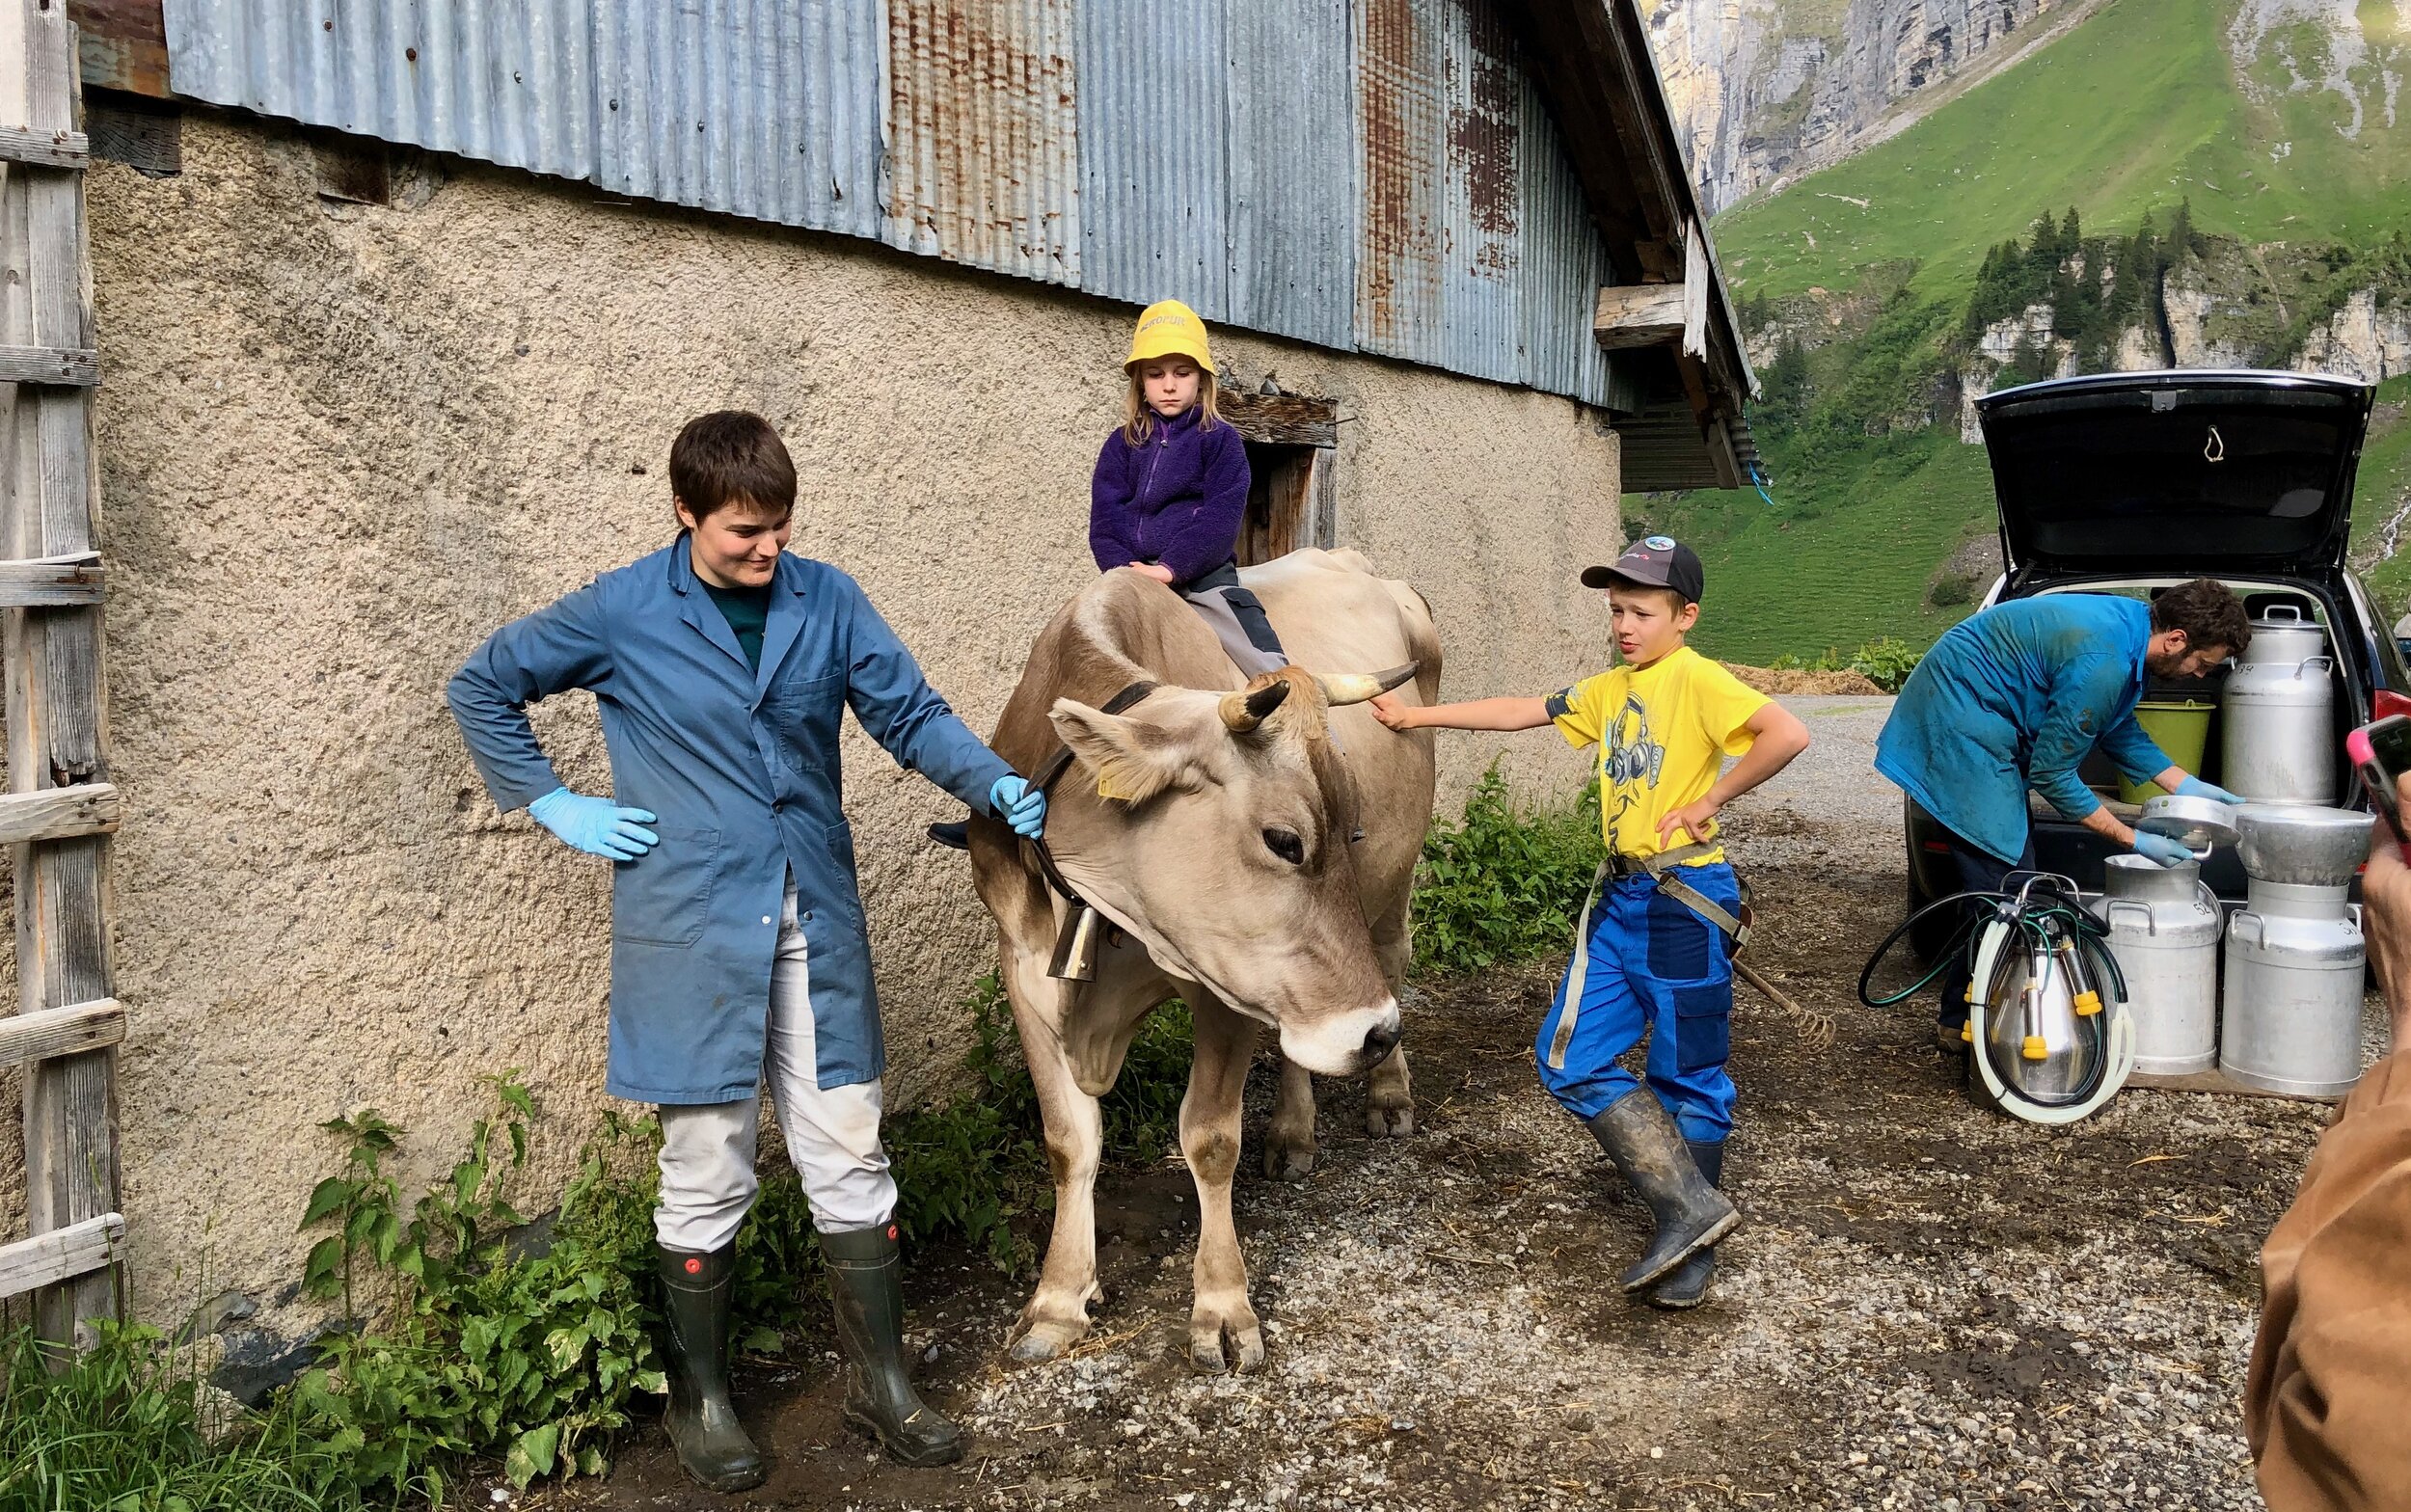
(76, 366)
(80, 1249)
(1638, 315)
(88, 808)
(1281, 419)
(124, 44)
(1322, 498)
(53, 1032)
(49, 584)
(45, 149)
(54, 662)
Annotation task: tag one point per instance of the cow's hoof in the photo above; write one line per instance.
(1045, 1341)
(1289, 1162)
(1386, 1120)
(1220, 1341)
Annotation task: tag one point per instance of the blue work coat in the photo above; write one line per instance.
(2017, 696)
(741, 769)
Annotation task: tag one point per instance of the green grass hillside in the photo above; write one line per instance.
(2137, 108)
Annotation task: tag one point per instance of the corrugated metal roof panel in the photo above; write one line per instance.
(1153, 172)
(1401, 104)
(1564, 265)
(1292, 199)
(1481, 245)
(984, 165)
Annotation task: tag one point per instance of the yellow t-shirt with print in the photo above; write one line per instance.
(1663, 733)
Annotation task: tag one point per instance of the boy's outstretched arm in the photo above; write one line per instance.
(1777, 737)
(1481, 714)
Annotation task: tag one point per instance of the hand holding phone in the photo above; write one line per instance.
(2381, 755)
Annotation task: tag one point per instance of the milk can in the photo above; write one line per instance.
(2164, 932)
(2278, 742)
(2291, 1020)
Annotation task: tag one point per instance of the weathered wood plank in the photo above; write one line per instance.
(1322, 498)
(124, 44)
(1281, 419)
(45, 149)
(88, 808)
(78, 1250)
(62, 1030)
(57, 731)
(50, 584)
(79, 367)
(1638, 315)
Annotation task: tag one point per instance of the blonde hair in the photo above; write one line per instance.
(1138, 420)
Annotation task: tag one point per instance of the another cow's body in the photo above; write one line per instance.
(1189, 853)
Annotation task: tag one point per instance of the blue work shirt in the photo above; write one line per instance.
(741, 768)
(2017, 696)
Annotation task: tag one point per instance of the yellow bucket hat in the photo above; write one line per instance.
(1168, 328)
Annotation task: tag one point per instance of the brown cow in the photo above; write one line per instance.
(1255, 848)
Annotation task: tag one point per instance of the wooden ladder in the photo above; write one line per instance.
(60, 808)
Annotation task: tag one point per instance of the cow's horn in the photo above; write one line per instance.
(1355, 687)
(1242, 711)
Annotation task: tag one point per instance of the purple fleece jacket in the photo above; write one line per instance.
(1177, 499)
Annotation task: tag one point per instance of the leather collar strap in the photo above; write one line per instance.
(1054, 769)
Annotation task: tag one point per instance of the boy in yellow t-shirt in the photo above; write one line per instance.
(1645, 961)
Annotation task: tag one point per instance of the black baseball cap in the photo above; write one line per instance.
(1654, 561)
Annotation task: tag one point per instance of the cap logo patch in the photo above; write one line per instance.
(1659, 543)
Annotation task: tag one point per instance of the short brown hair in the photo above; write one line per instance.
(730, 455)
(2207, 611)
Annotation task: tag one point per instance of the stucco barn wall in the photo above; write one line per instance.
(339, 443)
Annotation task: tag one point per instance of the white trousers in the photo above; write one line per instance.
(832, 1136)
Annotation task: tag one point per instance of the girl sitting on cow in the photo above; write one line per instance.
(1170, 491)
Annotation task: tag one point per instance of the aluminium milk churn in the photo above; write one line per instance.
(2164, 932)
(2292, 1019)
(2278, 742)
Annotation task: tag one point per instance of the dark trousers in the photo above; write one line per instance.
(1978, 871)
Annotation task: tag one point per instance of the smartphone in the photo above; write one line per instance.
(2381, 753)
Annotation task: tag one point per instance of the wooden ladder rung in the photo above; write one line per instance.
(45, 149)
(89, 808)
(48, 1033)
(62, 1253)
(73, 367)
(38, 583)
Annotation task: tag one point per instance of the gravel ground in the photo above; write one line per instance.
(1928, 1306)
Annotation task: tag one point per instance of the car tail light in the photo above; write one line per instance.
(2386, 701)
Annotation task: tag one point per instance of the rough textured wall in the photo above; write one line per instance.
(339, 443)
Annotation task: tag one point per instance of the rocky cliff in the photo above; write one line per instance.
(1770, 89)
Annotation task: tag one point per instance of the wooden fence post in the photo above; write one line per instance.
(56, 705)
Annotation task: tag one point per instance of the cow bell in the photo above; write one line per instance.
(1075, 945)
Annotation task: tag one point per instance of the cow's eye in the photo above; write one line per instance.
(1285, 845)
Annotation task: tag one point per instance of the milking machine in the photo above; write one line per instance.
(2050, 1038)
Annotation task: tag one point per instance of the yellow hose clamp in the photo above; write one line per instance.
(1968, 994)
(1968, 1030)
(2035, 1049)
(2087, 1002)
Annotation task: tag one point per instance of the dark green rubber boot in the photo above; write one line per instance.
(711, 1444)
(865, 1286)
(1639, 1135)
(1686, 1285)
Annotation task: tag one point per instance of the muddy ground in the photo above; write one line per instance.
(1928, 1306)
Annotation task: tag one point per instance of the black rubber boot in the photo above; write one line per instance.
(703, 1427)
(954, 834)
(865, 1285)
(1686, 1285)
(1640, 1138)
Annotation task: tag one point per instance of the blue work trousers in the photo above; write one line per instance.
(1648, 964)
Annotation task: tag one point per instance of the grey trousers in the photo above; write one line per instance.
(1237, 619)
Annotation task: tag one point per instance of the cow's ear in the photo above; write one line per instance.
(1131, 762)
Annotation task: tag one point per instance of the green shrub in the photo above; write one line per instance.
(1886, 662)
(1951, 590)
(1503, 884)
(127, 1428)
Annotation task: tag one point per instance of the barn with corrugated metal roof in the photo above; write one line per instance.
(401, 301)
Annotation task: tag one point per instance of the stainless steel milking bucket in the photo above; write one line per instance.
(2035, 1036)
(2164, 932)
(2278, 741)
(2292, 1019)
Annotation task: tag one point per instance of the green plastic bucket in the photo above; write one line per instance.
(2181, 728)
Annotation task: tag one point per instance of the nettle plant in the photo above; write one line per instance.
(479, 1345)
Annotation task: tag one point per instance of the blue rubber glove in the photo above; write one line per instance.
(1019, 805)
(2161, 848)
(2196, 788)
(598, 827)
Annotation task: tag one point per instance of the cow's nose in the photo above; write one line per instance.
(1381, 1039)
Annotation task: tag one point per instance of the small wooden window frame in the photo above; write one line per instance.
(1293, 452)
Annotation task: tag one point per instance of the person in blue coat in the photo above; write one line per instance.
(721, 666)
(2017, 696)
